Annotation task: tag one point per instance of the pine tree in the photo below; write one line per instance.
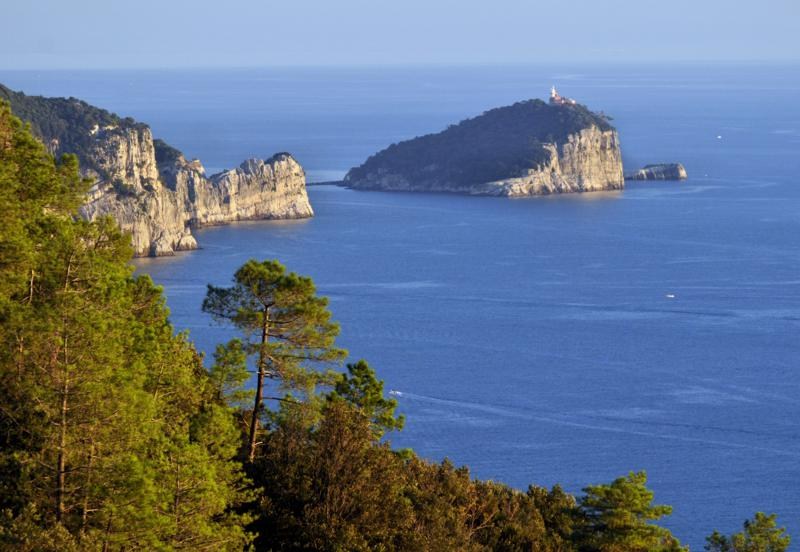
(114, 434)
(286, 327)
(361, 388)
(618, 516)
(760, 534)
(330, 487)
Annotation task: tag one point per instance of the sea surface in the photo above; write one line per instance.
(545, 340)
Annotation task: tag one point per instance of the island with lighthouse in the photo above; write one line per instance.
(529, 148)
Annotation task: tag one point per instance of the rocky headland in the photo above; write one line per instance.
(529, 148)
(661, 171)
(149, 187)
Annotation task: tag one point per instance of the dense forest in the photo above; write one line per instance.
(501, 143)
(65, 124)
(116, 435)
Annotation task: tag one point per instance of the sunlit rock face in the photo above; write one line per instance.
(148, 187)
(589, 161)
(160, 204)
(661, 171)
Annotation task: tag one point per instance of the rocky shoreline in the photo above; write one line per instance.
(149, 187)
(153, 192)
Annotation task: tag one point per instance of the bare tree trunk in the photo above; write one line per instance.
(87, 486)
(108, 532)
(61, 475)
(62, 441)
(30, 292)
(259, 387)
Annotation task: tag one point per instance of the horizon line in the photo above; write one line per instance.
(415, 64)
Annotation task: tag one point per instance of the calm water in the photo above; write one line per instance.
(534, 339)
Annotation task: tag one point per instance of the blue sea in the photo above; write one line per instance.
(547, 340)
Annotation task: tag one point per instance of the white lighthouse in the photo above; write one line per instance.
(557, 99)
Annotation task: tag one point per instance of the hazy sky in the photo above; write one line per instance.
(173, 33)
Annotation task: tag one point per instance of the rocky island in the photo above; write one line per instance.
(661, 171)
(149, 187)
(529, 148)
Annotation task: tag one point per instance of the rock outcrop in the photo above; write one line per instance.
(129, 188)
(661, 171)
(148, 187)
(258, 189)
(589, 161)
(529, 148)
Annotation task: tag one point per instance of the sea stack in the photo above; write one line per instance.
(661, 171)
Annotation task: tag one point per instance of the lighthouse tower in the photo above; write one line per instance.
(557, 99)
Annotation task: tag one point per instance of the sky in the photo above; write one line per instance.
(61, 34)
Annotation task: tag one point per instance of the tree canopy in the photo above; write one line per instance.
(617, 517)
(285, 324)
(113, 434)
(760, 534)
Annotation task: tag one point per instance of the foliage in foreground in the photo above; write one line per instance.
(113, 436)
(761, 534)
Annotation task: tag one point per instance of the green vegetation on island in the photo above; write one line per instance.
(66, 124)
(114, 436)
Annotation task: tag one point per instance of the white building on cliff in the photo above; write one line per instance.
(556, 99)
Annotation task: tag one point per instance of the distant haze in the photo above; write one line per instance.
(41, 34)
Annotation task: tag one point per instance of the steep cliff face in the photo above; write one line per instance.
(128, 188)
(590, 161)
(529, 148)
(148, 187)
(123, 156)
(160, 211)
(271, 189)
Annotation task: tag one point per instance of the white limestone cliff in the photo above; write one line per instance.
(147, 186)
(160, 203)
(590, 161)
(661, 171)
